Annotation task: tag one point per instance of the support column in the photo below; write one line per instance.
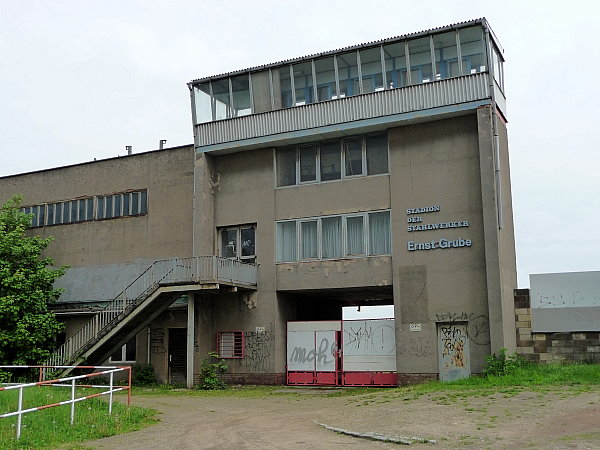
(190, 339)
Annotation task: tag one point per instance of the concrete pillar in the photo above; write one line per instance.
(190, 339)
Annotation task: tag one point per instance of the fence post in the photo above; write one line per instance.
(20, 414)
(72, 401)
(110, 395)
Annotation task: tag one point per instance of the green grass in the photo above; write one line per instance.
(51, 427)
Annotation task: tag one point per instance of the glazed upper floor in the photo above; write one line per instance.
(443, 71)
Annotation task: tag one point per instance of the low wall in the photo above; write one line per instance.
(551, 347)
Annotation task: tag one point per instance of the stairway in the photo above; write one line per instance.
(143, 300)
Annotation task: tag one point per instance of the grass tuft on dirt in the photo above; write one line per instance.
(50, 428)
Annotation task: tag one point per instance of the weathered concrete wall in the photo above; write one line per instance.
(437, 164)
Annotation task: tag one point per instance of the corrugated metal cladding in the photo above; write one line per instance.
(378, 104)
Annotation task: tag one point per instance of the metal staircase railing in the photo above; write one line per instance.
(165, 272)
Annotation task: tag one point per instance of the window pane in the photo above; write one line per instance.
(248, 241)
(446, 56)
(143, 202)
(81, 207)
(50, 218)
(221, 98)
(471, 50)
(282, 77)
(377, 154)
(73, 205)
(286, 166)
(308, 163)
(348, 74)
(325, 73)
(395, 65)
(117, 355)
(58, 214)
(420, 60)
(330, 161)
(240, 88)
(65, 213)
(379, 233)
(130, 350)
(229, 243)
(135, 203)
(100, 208)
(117, 202)
(353, 156)
(89, 209)
(202, 103)
(355, 235)
(42, 215)
(109, 206)
(286, 241)
(332, 237)
(127, 204)
(370, 66)
(303, 83)
(497, 61)
(34, 219)
(308, 240)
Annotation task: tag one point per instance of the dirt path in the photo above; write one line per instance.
(554, 419)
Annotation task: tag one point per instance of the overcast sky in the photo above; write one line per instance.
(82, 79)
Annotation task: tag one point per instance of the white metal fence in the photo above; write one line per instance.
(165, 272)
(71, 382)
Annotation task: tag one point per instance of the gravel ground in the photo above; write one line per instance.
(557, 418)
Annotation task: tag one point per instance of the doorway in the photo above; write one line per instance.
(177, 355)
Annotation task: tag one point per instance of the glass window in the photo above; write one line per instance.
(89, 215)
(73, 205)
(308, 163)
(471, 50)
(109, 207)
(348, 74)
(330, 156)
(377, 154)
(446, 55)
(497, 62)
(371, 70)
(355, 235)
(229, 243)
(220, 90)
(100, 208)
(240, 89)
(126, 204)
(117, 202)
(395, 65)
(332, 237)
(41, 215)
(353, 156)
(420, 60)
(143, 202)
(130, 350)
(303, 83)
(286, 166)
(65, 212)
(58, 213)
(308, 240)
(135, 203)
(379, 233)
(81, 207)
(248, 238)
(202, 103)
(286, 241)
(50, 218)
(325, 74)
(285, 85)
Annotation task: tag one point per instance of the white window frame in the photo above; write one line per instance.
(124, 353)
(238, 229)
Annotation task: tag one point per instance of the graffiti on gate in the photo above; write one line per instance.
(365, 338)
(478, 327)
(453, 346)
(419, 347)
(323, 354)
(157, 341)
(258, 347)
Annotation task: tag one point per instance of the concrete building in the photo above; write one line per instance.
(376, 174)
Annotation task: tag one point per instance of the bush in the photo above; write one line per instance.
(503, 364)
(209, 372)
(143, 375)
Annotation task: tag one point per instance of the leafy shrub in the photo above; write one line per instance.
(143, 375)
(503, 364)
(209, 372)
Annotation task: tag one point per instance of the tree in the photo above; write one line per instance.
(27, 329)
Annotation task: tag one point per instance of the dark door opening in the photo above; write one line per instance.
(177, 355)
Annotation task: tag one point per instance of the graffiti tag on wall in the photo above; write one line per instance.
(157, 341)
(258, 348)
(478, 327)
(416, 346)
(367, 338)
(453, 346)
